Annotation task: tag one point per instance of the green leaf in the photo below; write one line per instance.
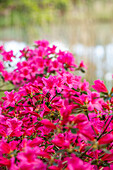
(74, 130)
(105, 164)
(20, 101)
(37, 94)
(106, 151)
(76, 147)
(74, 89)
(11, 109)
(82, 70)
(61, 150)
(84, 92)
(94, 162)
(88, 156)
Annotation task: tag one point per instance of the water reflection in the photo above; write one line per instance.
(99, 56)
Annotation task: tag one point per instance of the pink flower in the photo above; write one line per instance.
(9, 99)
(80, 118)
(15, 77)
(108, 156)
(57, 103)
(29, 131)
(52, 49)
(43, 43)
(6, 148)
(48, 124)
(106, 139)
(77, 100)
(28, 160)
(55, 66)
(14, 123)
(49, 83)
(33, 69)
(111, 100)
(99, 86)
(76, 163)
(40, 64)
(25, 73)
(60, 141)
(6, 75)
(40, 52)
(66, 58)
(82, 65)
(69, 79)
(7, 55)
(5, 162)
(28, 155)
(35, 142)
(1, 48)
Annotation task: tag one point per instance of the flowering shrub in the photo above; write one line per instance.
(39, 62)
(54, 121)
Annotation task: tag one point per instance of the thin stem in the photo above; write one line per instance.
(105, 128)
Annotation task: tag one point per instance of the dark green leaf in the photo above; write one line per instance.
(11, 109)
(74, 130)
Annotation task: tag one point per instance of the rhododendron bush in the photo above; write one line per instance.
(53, 120)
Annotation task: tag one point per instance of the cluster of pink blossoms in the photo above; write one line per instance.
(39, 62)
(54, 120)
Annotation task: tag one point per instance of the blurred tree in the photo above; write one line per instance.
(25, 11)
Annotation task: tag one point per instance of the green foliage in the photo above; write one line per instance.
(23, 12)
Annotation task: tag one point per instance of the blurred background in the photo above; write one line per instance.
(84, 27)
